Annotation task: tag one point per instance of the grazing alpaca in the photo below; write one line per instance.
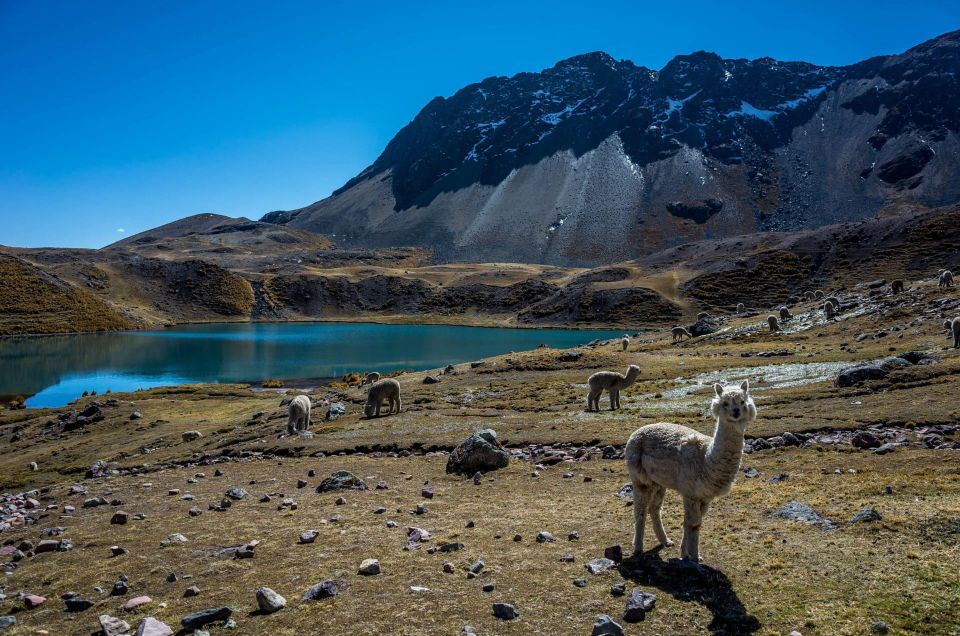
(830, 310)
(953, 329)
(785, 314)
(774, 324)
(625, 342)
(298, 414)
(679, 333)
(611, 381)
(818, 294)
(371, 378)
(946, 279)
(389, 390)
(741, 308)
(700, 468)
(703, 315)
(809, 295)
(835, 301)
(896, 286)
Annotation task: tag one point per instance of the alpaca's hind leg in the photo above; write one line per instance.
(593, 401)
(692, 518)
(656, 503)
(614, 399)
(641, 500)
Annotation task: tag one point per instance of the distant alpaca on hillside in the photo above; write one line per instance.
(625, 342)
(700, 468)
(371, 378)
(741, 308)
(703, 315)
(835, 301)
(774, 324)
(679, 333)
(389, 390)
(611, 381)
(298, 414)
(946, 279)
(818, 294)
(953, 329)
(785, 314)
(809, 295)
(896, 286)
(829, 309)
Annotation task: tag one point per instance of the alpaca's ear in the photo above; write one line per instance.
(718, 388)
(745, 386)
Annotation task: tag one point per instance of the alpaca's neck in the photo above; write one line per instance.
(725, 450)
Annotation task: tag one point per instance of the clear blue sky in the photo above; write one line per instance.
(129, 114)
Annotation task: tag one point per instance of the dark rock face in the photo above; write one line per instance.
(481, 452)
(730, 145)
(205, 617)
(861, 373)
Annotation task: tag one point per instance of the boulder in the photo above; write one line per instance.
(113, 626)
(197, 620)
(341, 480)
(191, 436)
(335, 412)
(152, 627)
(269, 601)
(481, 452)
(605, 626)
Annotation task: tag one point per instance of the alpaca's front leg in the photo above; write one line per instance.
(692, 518)
(641, 499)
(613, 399)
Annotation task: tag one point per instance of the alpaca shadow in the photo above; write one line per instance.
(687, 581)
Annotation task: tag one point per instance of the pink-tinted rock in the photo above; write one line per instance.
(137, 601)
(32, 600)
(152, 627)
(47, 545)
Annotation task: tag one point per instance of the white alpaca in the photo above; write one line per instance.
(774, 324)
(818, 294)
(371, 378)
(946, 279)
(741, 308)
(625, 342)
(611, 381)
(679, 333)
(785, 314)
(700, 468)
(298, 414)
(953, 329)
(389, 390)
(703, 315)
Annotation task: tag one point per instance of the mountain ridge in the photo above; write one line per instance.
(536, 166)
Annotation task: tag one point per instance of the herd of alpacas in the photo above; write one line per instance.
(662, 455)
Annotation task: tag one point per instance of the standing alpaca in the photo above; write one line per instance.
(835, 301)
(389, 390)
(953, 329)
(371, 378)
(946, 279)
(679, 333)
(700, 468)
(809, 295)
(896, 286)
(625, 342)
(298, 414)
(774, 324)
(829, 310)
(741, 308)
(785, 314)
(611, 381)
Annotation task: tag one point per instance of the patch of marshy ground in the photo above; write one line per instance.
(786, 575)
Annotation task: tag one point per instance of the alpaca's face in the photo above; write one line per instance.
(734, 405)
(368, 409)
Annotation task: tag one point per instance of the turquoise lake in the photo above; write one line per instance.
(55, 370)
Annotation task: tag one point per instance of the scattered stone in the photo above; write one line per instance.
(77, 604)
(335, 412)
(751, 473)
(879, 627)
(545, 537)
(236, 493)
(119, 588)
(191, 436)
(116, 550)
(33, 600)
(427, 493)
(191, 591)
(309, 536)
(638, 605)
(481, 452)
(489, 587)
(6, 622)
(322, 590)
(369, 567)
(614, 553)
(476, 567)
(618, 589)
(505, 611)
(419, 589)
(173, 539)
(269, 601)
(889, 447)
(865, 515)
(113, 626)
(152, 627)
(341, 480)
(195, 512)
(580, 582)
(605, 626)
(599, 566)
(136, 602)
(798, 511)
(573, 536)
(120, 518)
(205, 617)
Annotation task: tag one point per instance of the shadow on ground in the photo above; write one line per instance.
(687, 581)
